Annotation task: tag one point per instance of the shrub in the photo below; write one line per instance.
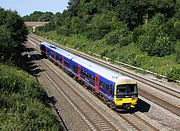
(174, 74)
(121, 36)
(155, 40)
(177, 49)
(100, 26)
(63, 31)
(23, 102)
(104, 52)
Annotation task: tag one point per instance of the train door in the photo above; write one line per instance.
(97, 82)
(79, 71)
(46, 52)
(54, 57)
(62, 61)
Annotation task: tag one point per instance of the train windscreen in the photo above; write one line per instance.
(127, 89)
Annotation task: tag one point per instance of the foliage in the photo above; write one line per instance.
(104, 52)
(174, 74)
(39, 16)
(121, 36)
(49, 27)
(12, 32)
(63, 31)
(155, 40)
(101, 25)
(127, 12)
(73, 7)
(177, 9)
(129, 54)
(175, 28)
(24, 105)
(177, 49)
(23, 102)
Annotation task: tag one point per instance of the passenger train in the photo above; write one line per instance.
(116, 90)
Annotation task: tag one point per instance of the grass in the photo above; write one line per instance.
(24, 105)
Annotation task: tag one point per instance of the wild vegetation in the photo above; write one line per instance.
(24, 105)
(39, 16)
(142, 33)
(12, 34)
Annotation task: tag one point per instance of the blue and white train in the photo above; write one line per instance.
(117, 90)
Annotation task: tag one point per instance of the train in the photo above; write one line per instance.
(116, 90)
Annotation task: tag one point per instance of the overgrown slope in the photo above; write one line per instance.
(23, 102)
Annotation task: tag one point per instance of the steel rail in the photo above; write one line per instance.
(95, 127)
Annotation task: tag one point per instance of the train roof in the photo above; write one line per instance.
(59, 50)
(100, 70)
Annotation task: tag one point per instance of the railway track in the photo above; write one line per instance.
(91, 113)
(92, 118)
(155, 99)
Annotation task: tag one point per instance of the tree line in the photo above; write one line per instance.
(152, 25)
(39, 16)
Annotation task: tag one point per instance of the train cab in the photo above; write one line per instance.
(126, 95)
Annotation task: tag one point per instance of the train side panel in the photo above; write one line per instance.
(107, 88)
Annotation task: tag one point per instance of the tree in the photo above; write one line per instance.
(73, 7)
(127, 12)
(12, 32)
(39, 16)
(121, 35)
(101, 25)
(155, 40)
(177, 9)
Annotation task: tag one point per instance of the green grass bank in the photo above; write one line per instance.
(24, 105)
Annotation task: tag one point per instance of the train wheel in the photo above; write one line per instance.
(112, 106)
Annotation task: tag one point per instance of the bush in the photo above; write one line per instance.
(174, 74)
(156, 46)
(12, 33)
(63, 31)
(155, 40)
(23, 102)
(112, 38)
(104, 52)
(177, 49)
(99, 27)
(48, 27)
(121, 35)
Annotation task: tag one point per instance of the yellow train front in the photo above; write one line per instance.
(125, 95)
